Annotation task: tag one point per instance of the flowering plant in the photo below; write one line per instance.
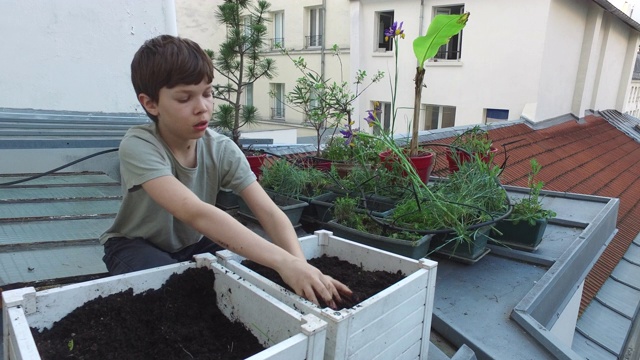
(471, 198)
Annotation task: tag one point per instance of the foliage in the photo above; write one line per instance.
(468, 197)
(530, 208)
(441, 29)
(474, 141)
(357, 149)
(287, 178)
(346, 212)
(325, 103)
(239, 62)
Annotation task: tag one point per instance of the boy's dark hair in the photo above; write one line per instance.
(168, 61)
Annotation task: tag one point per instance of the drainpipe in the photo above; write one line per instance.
(324, 37)
(421, 21)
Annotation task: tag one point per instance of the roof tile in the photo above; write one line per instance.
(589, 157)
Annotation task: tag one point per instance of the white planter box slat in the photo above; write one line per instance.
(287, 333)
(393, 324)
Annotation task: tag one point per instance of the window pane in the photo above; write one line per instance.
(249, 94)
(385, 21)
(448, 116)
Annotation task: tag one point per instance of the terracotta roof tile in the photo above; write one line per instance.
(592, 157)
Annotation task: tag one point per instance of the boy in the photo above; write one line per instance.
(172, 170)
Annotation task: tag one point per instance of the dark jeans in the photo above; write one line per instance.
(123, 255)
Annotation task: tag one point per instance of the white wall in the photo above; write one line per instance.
(564, 31)
(538, 59)
(496, 69)
(75, 54)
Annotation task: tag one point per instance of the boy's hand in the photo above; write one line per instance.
(310, 283)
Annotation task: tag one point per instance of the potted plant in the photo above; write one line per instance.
(240, 63)
(292, 180)
(354, 224)
(326, 104)
(473, 142)
(458, 211)
(441, 29)
(525, 226)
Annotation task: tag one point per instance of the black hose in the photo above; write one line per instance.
(57, 169)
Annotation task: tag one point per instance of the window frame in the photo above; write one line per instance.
(278, 108)
(441, 116)
(315, 31)
(278, 31)
(444, 53)
(380, 45)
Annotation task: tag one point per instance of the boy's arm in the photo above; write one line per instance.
(222, 228)
(274, 221)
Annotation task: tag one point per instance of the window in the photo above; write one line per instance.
(493, 115)
(384, 21)
(316, 20)
(382, 111)
(277, 111)
(438, 116)
(278, 30)
(248, 93)
(247, 31)
(453, 49)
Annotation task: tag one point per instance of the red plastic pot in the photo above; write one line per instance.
(462, 157)
(423, 163)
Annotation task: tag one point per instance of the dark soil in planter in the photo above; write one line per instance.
(178, 321)
(363, 284)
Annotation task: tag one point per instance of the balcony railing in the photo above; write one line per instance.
(277, 113)
(313, 41)
(274, 43)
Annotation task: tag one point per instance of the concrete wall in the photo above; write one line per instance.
(75, 54)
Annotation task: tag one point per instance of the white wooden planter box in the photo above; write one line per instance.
(287, 333)
(393, 324)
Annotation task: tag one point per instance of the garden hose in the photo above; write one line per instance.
(9, 183)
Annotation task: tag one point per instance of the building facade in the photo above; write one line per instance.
(537, 60)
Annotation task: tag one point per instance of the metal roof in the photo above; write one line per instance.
(503, 306)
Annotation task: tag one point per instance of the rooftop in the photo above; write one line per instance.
(504, 306)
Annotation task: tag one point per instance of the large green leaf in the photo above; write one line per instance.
(441, 29)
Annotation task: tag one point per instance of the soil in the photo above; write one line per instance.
(158, 324)
(168, 323)
(363, 284)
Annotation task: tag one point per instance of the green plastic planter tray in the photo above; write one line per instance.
(521, 236)
(378, 205)
(461, 251)
(290, 206)
(412, 249)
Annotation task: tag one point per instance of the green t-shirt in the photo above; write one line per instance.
(144, 156)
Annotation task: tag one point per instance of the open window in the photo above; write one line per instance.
(316, 19)
(277, 110)
(384, 20)
(278, 30)
(453, 49)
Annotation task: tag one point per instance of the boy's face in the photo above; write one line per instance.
(183, 111)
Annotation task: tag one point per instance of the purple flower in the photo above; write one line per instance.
(394, 30)
(348, 135)
(371, 118)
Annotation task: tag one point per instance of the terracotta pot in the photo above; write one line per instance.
(423, 163)
(462, 157)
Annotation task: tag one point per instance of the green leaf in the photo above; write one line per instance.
(441, 29)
